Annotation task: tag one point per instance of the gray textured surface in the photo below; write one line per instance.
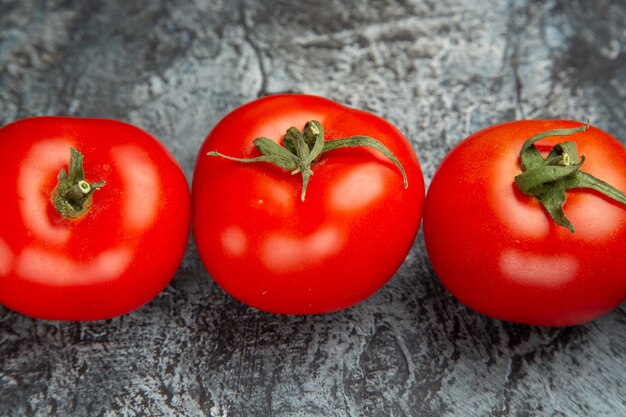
(438, 70)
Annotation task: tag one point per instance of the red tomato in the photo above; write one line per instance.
(273, 251)
(115, 257)
(497, 250)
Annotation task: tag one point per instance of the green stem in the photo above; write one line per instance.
(300, 150)
(548, 179)
(72, 196)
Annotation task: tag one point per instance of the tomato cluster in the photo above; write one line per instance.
(300, 205)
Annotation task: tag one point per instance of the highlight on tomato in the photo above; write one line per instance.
(301, 205)
(526, 222)
(94, 220)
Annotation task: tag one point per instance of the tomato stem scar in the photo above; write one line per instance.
(301, 149)
(72, 195)
(548, 179)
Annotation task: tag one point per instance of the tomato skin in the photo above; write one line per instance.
(272, 251)
(497, 250)
(121, 253)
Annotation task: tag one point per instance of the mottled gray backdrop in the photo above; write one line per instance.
(438, 70)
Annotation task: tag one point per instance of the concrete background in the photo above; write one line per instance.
(438, 70)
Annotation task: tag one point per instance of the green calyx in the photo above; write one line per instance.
(301, 149)
(549, 178)
(72, 196)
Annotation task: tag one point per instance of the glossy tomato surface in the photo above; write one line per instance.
(499, 252)
(121, 253)
(271, 250)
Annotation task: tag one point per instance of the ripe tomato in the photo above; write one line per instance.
(116, 255)
(274, 248)
(498, 251)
